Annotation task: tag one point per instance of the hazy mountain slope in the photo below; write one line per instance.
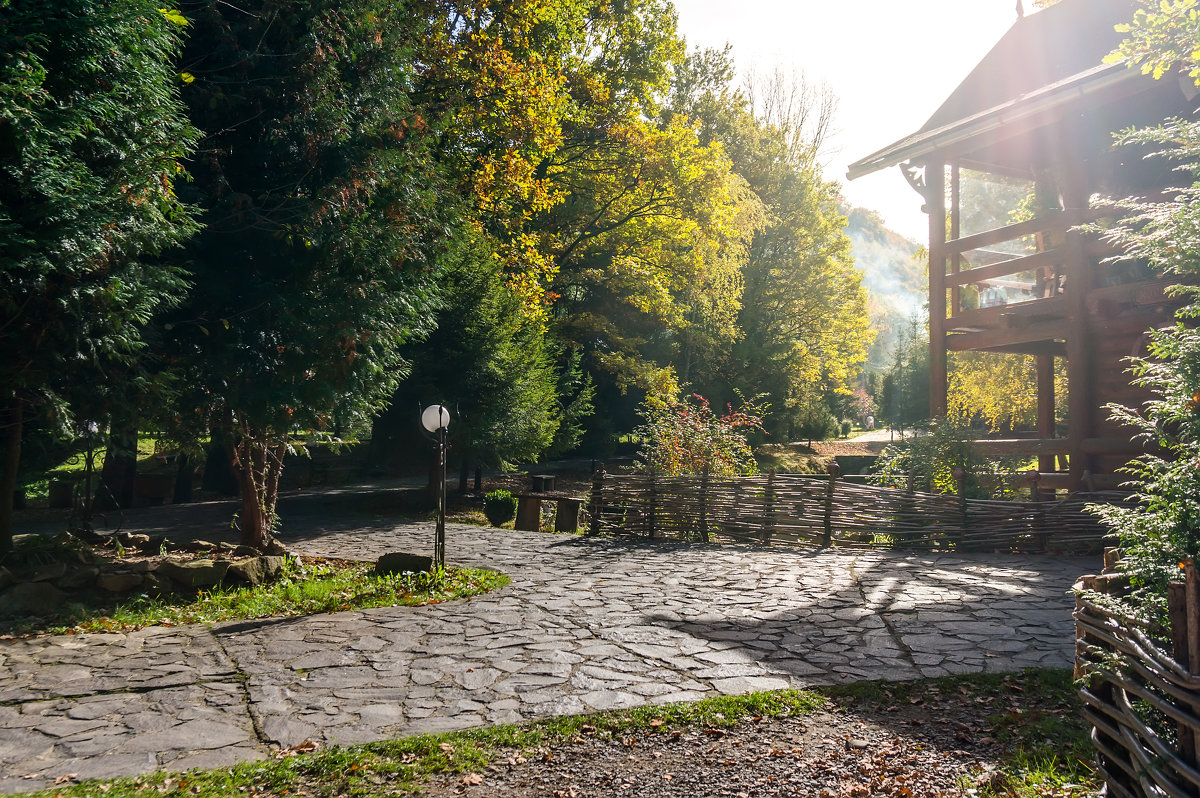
(894, 278)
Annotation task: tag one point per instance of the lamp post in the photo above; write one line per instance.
(436, 420)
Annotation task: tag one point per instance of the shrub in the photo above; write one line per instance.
(500, 507)
(931, 456)
(846, 427)
(689, 438)
(814, 422)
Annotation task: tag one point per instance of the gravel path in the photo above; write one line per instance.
(585, 625)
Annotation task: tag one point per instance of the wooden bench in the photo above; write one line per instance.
(566, 511)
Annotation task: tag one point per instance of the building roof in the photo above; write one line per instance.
(1044, 60)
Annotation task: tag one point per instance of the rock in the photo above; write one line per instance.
(119, 583)
(194, 573)
(129, 540)
(275, 548)
(31, 598)
(45, 573)
(77, 578)
(399, 563)
(153, 544)
(257, 570)
(6, 577)
(200, 545)
(246, 551)
(157, 585)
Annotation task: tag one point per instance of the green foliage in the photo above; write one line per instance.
(687, 437)
(323, 210)
(315, 588)
(1162, 527)
(500, 507)
(489, 363)
(1162, 36)
(814, 422)
(929, 459)
(1000, 390)
(91, 134)
(904, 392)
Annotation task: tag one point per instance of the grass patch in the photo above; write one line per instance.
(398, 767)
(315, 587)
(789, 458)
(1045, 751)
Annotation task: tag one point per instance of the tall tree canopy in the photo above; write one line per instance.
(323, 211)
(91, 133)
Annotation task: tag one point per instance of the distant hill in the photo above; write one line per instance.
(894, 278)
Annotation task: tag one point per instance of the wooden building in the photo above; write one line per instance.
(1015, 158)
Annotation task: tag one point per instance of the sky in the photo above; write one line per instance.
(891, 63)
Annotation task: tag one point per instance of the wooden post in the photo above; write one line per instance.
(1080, 379)
(596, 504)
(935, 205)
(769, 510)
(1045, 407)
(1181, 611)
(960, 484)
(955, 233)
(704, 505)
(650, 509)
(834, 470)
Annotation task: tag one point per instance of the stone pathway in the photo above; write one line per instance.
(585, 625)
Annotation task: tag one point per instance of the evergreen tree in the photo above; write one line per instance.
(323, 209)
(91, 131)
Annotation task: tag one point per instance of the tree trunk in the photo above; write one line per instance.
(258, 466)
(464, 474)
(251, 518)
(8, 476)
(115, 490)
(219, 476)
(183, 481)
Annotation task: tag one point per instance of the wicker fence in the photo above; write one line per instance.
(825, 511)
(1140, 696)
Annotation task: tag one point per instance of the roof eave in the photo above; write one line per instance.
(920, 145)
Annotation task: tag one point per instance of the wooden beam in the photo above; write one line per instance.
(1019, 314)
(999, 340)
(1027, 447)
(935, 203)
(1113, 446)
(1051, 257)
(1058, 221)
(1056, 348)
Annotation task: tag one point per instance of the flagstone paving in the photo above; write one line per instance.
(587, 624)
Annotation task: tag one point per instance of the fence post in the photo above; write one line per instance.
(595, 505)
(834, 470)
(704, 505)
(650, 510)
(1034, 477)
(960, 484)
(769, 520)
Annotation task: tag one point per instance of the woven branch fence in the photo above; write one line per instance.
(1141, 697)
(824, 511)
